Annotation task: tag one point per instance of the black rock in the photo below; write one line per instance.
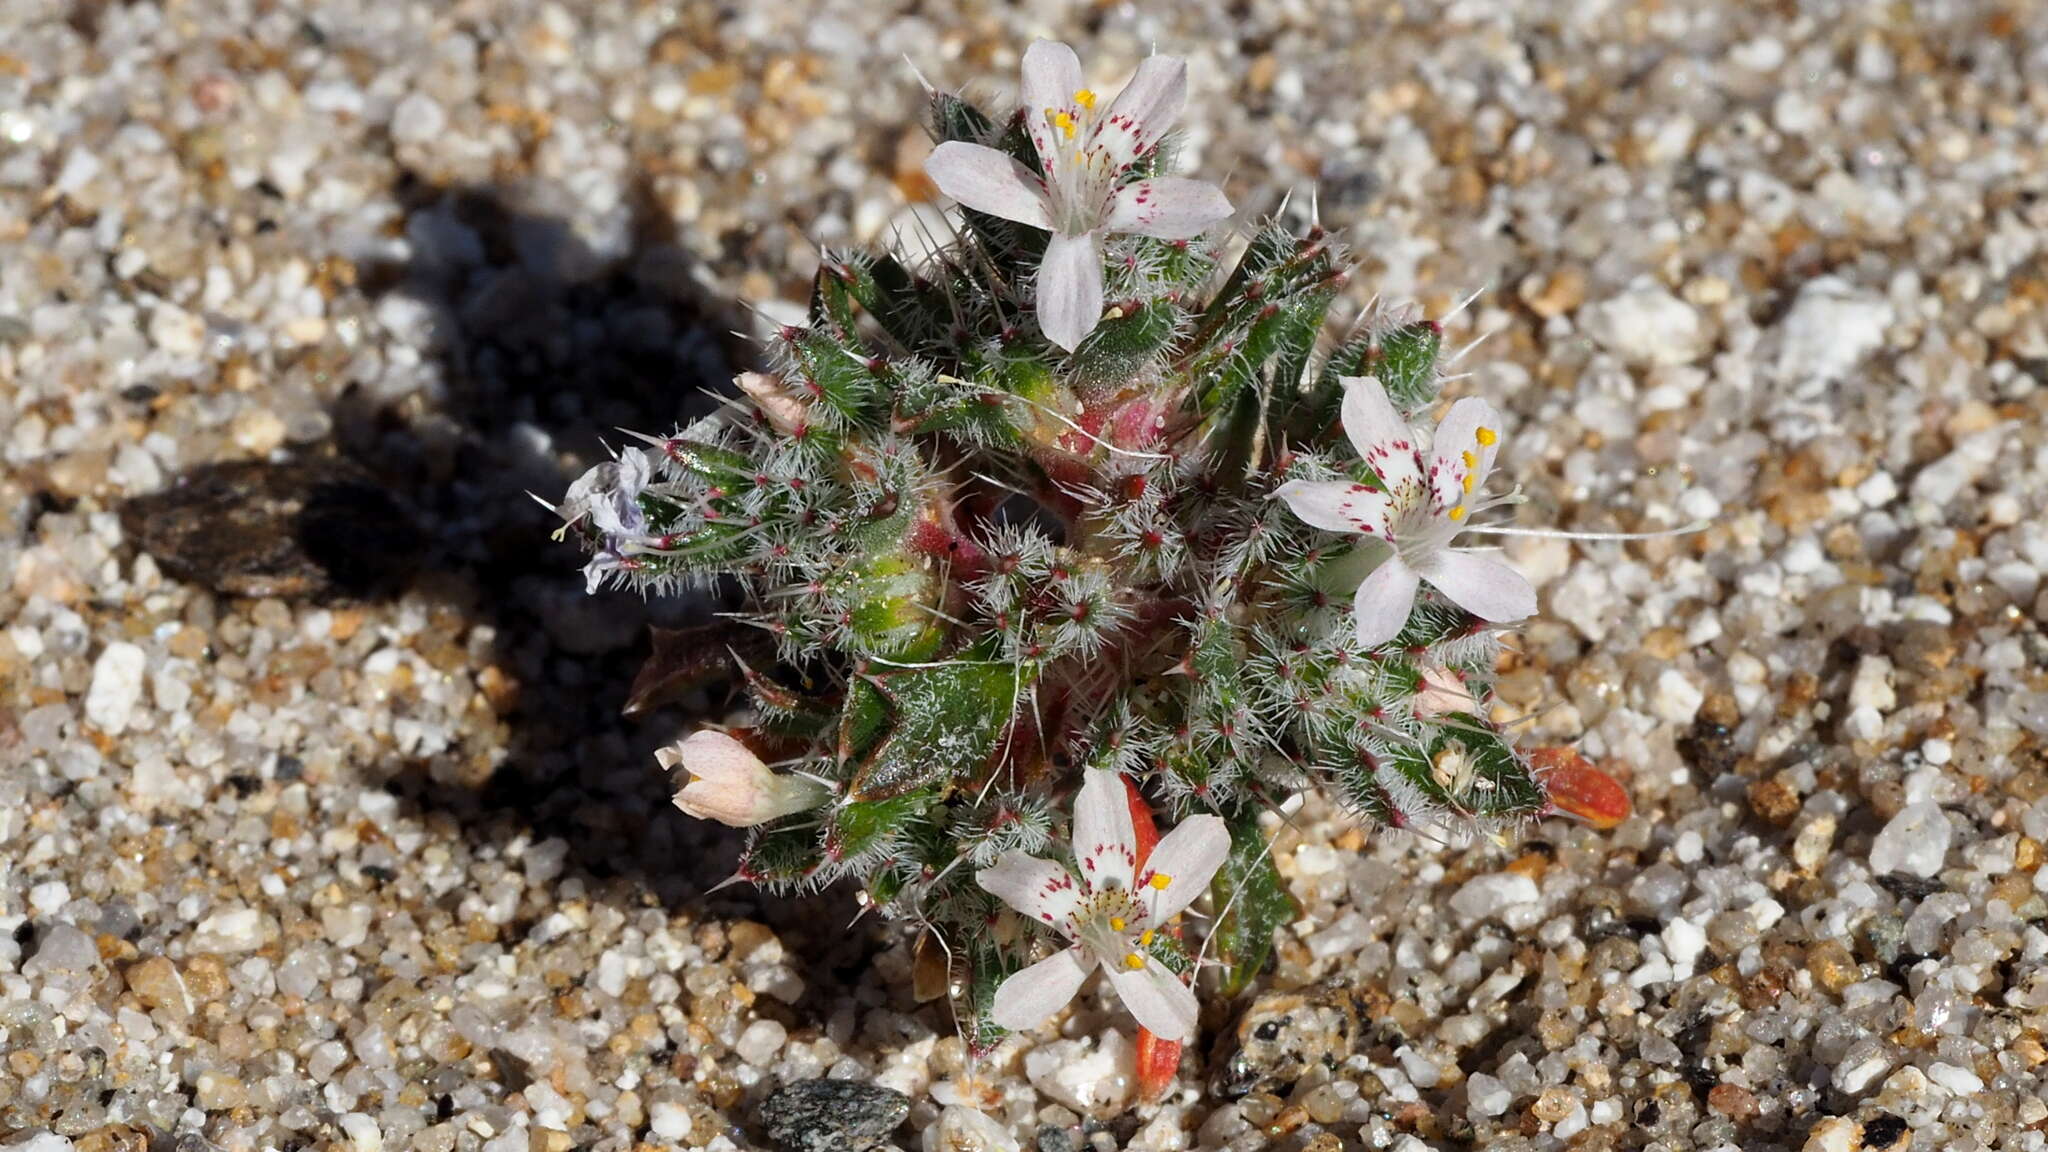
(832, 1115)
(306, 529)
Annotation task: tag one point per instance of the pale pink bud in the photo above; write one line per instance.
(728, 783)
(784, 411)
(1442, 691)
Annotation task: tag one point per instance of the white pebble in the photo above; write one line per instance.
(1830, 329)
(1647, 325)
(229, 930)
(1956, 1079)
(760, 1042)
(1683, 942)
(1094, 1081)
(1675, 699)
(117, 678)
(1487, 1095)
(962, 1129)
(669, 1121)
(362, 1132)
(1915, 841)
(1492, 894)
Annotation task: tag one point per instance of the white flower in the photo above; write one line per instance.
(1420, 507)
(1087, 191)
(1109, 912)
(731, 785)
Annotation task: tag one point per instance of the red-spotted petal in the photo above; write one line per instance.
(1103, 839)
(1143, 111)
(1052, 74)
(1337, 506)
(1040, 889)
(1167, 208)
(1382, 438)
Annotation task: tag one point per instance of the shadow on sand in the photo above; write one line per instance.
(545, 349)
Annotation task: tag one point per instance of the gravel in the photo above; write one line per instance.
(319, 826)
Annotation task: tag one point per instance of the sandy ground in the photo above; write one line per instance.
(319, 824)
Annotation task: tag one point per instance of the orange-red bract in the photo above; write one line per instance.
(1158, 1059)
(1578, 789)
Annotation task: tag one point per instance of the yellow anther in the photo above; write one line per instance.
(1146, 939)
(1470, 460)
(1487, 437)
(1085, 98)
(1064, 122)
(1134, 961)
(1457, 513)
(1116, 923)
(1160, 880)
(1467, 481)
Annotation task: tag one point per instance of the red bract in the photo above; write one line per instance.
(1578, 789)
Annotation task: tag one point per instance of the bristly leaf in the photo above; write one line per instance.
(1406, 364)
(942, 725)
(1249, 886)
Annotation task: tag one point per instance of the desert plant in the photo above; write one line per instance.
(1093, 493)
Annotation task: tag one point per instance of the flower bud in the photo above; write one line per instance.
(1442, 691)
(729, 784)
(784, 411)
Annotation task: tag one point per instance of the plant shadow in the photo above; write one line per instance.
(545, 350)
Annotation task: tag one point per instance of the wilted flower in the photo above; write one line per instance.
(729, 784)
(1418, 508)
(784, 412)
(1090, 188)
(1109, 912)
(1442, 690)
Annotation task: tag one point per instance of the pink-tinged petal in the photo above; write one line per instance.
(1052, 74)
(1167, 208)
(1165, 1006)
(1383, 601)
(1382, 438)
(989, 181)
(1467, 440)
(1039, 889)
(1070, 289)
(1143, 111)
(1183, 864)
(1104, 841)
(1030, 997)
(1483, 584)
(1337, 506)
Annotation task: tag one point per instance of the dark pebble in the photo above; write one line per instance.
(832, 1115)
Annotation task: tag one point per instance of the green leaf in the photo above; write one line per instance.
(1259, 906)
(781, 856)
(1406, 364)
(843, 380)
(1119, 349)
(988, 965)
(860, 826)
(943, 722)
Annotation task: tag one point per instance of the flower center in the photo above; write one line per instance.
(1080, 175)
(1107, 922)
